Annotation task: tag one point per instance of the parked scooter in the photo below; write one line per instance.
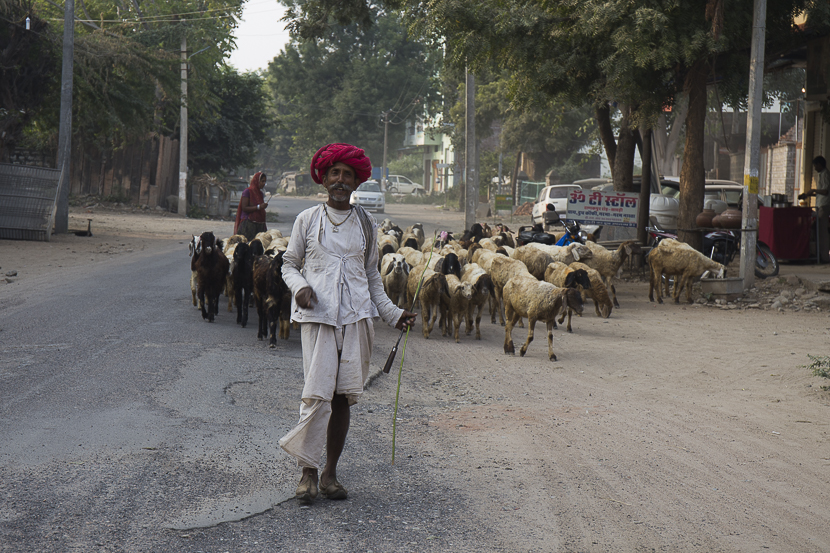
(573, 233)
(722, 246)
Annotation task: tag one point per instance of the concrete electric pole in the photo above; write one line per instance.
(471, 192)
(385, 135)
(181, 210)
(65, 132)
(753, 145)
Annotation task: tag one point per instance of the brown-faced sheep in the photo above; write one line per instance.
(597, 291)
(608, 263)
(395, 273)
(433, 288)
(524, 296)
(686, 264)
(482, 293)
(454, 308)
(562, 276)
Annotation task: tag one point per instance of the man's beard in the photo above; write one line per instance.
(339, 193)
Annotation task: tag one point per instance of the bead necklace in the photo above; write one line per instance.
(333, 224)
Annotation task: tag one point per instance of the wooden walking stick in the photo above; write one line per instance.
(394, 351)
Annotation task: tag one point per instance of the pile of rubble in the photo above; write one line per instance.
(788, 293)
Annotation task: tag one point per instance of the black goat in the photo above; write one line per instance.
(269, 289)
(243, 281)
(211, 268)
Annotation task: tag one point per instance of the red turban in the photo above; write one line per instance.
(330, 154)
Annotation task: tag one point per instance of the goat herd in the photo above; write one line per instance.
(484, 266)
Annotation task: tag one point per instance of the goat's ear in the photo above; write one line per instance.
(628, 249)
(389, 268)
(406, 268)
(575, 253)
(705, 274)
(569, 280)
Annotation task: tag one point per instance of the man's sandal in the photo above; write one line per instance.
(307, 490)
(335, 490)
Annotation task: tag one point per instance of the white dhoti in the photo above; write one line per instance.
(335, 361)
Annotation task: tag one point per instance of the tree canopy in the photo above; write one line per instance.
(127, 75)
(337, 88)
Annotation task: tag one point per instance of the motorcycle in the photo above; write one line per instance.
(722, 246)
(573, 232)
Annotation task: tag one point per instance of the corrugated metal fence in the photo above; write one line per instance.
(27, 202)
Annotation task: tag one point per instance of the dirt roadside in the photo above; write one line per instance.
(665, 427)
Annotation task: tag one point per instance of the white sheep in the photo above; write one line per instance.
(482, 293)
(565, 254)
(412, 256)
(395, 274)
(433, 288)
(686, 264)
(608, 263)
(502, 269)
(524, 296)
(563, 276)
(454, 308)
(597, 291)
(535, 260)
(195, 247)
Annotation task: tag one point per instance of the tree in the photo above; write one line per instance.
(127, 66)
(335, 89)
(28, 69)
(227, 136)
(638, 55)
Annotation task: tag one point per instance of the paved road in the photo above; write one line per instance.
(128, 420)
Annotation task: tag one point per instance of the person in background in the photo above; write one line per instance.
(331, 267)
(250, 215)
(821, 191)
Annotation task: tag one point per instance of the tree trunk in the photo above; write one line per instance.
(623, 171)
(667, 143)
(606, 134)
(693, 173)
(645, 186)
(514, 178)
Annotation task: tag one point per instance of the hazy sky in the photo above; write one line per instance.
(260, 35)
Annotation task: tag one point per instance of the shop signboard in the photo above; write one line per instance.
(595, 207)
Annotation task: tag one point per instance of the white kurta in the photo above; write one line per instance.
(335, 357)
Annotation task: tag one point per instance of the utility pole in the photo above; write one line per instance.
(471, 193)
(181, 210)
(65, 132)
(753, 145)
(385, 135)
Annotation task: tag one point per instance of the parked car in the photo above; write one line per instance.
(369, 196)
(556, 196)
(399, 184)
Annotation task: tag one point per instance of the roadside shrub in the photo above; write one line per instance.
(820, 366)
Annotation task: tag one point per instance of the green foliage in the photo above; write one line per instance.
(228, 134)
(335, 89)
(410, 166)
(820, 365)
(29, 68)
(127, 66)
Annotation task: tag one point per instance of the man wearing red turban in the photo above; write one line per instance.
(331, 267)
